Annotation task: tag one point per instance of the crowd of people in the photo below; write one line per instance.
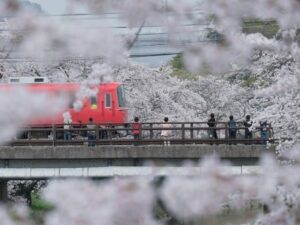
(232, 127)
(91, 132)
(166, 131)
(264, 128)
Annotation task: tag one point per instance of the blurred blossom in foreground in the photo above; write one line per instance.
(19, 106)
(188, 198)
(115, 202)
(48, 39)
(204, 194)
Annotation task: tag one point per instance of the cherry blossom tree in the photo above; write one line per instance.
(210, 189)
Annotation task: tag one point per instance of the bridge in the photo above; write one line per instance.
(116, 154)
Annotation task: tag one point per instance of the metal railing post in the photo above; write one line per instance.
(29, 135)
(140, 132)
(151, 131)
(97, 133)
(226, 131)
(182, 131)
(53, 134)
(192, 130)
(109, 132)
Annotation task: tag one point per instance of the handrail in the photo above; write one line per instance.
(143, 123)
(113, 133)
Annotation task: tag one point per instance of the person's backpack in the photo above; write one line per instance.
(232, 125)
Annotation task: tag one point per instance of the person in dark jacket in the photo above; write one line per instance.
(231, 127)
(91, 133)
(212, 132)
(264, 131)
(248, 123)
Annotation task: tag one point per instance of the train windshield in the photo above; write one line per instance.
(94, 102)
(121, 96)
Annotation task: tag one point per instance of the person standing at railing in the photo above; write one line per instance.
(212, 132)
(264, 131)
(136, 130)
(67, 127)
(270, 131)
(232, 127)
(166, 133)
(91, 133)
(248, 123)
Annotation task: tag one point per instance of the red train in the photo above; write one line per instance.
(107, 106)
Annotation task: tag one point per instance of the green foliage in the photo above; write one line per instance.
(263, 83)
(161, 214)
(245, 77)
(39, 208)
(39, 204)
(249, 81)
(179, 69)
(266, 28)
(181, 72)
(177, 63)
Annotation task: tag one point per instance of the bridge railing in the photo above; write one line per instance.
(150, 133)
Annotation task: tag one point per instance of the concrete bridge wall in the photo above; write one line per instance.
(131, 152)
(105, 156)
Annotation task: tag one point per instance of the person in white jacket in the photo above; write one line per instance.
(166, 133)
(67, 127)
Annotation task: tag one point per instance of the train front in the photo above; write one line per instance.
(121, 115)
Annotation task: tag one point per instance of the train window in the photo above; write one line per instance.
(94, 102)
(72, 99)
(108, 100)
(121, 96)
(38, 80)
(13, 80)
(71, 102)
